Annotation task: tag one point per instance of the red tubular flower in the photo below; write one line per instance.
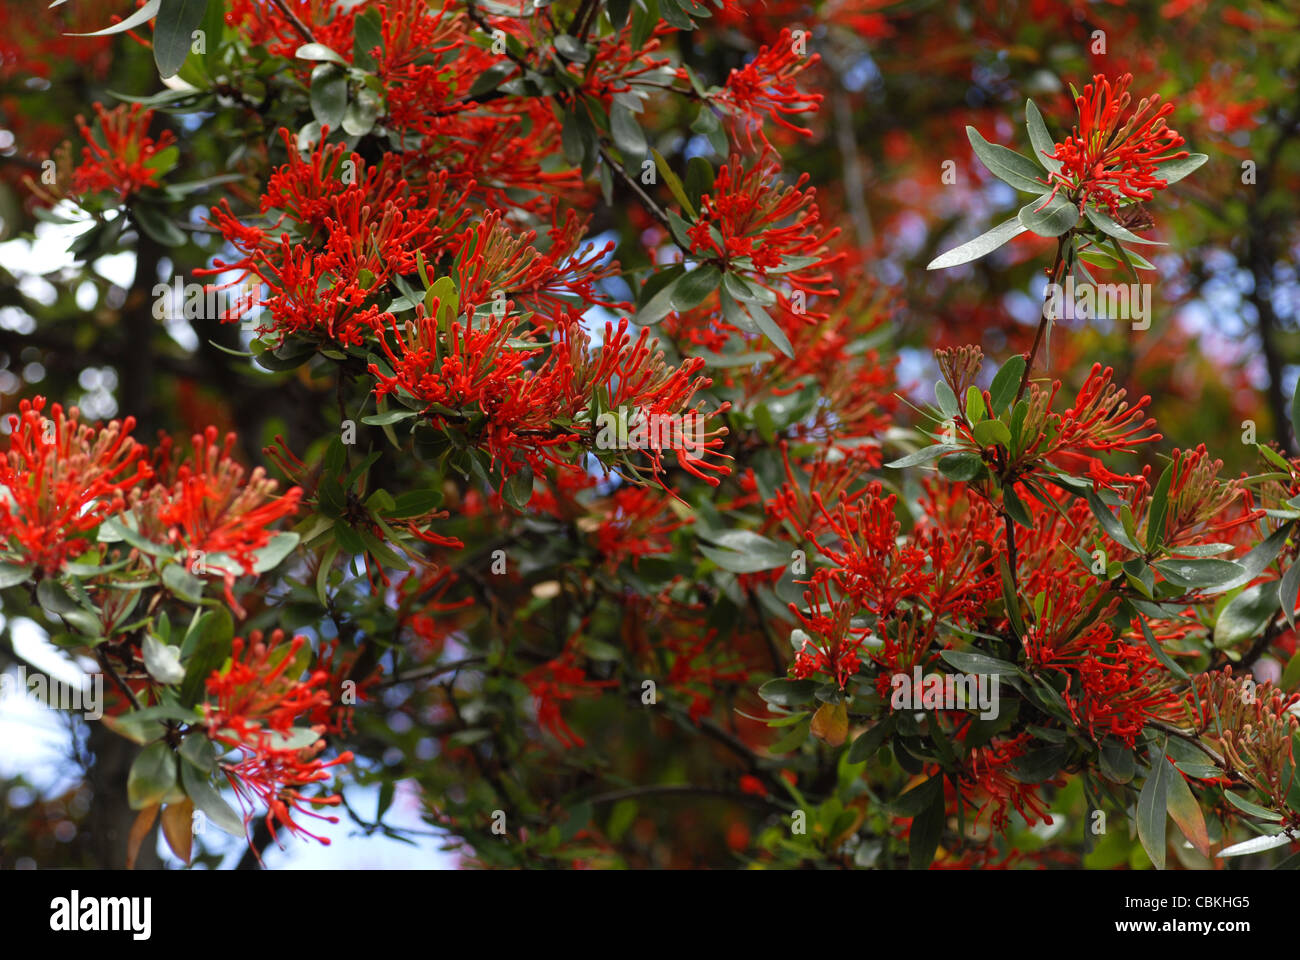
(121, 163)
(750, 226)
(989, 782)
(1106, 161)
(259, 695)
(557, 681)
(764, 89)
(61, 480)
(210, 505)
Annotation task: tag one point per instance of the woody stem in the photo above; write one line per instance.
(1053, 277)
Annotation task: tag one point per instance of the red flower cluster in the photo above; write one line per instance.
(260, 695)
(61, 479)
(1112, 159)
(764, 89)
(121, 159)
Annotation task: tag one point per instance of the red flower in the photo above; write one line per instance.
(61, 479)
(259, 695)
(764, 89)
(1106, 161)
(558, 681)
(121, 162)
(210, 505)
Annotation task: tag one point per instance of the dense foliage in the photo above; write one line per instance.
(529, 401)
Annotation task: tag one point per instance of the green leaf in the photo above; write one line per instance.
(181, 583)
(1114, 529)
(920, 797)
(982, 245)
(691, 289)
(1006, 382)
(743, 551)
(990, 432)
(627, 133)
(979, 663)
(1182, 806)
(1246, 615)
(1106, 225)
(868, 743)
(946, 399)
(156, 225)
(329, 94)
(571, 48)
(771, 329)
(788, 693)
(659, 305)
(674, 184)
(360, 116)
(1117, 761)
(1257, 844)
(961, 467)
(927, 829)
(318, 51)
(1007, 165)
(1287, 590)
(198, 787)
(12, 574)
(388, 417)
(490, 79)
(270, 556)
(1253, 809)
(1159, 507)
(1158, 651)
(1171, 171)
(1152, 806)
(1191, 574)
(924, 455)
(1052, 220)
(1040, 765)
(211, 649)
(367, 34)
(1040, 138)
(143, 15)
(198, 750)
(152, 776)
(518, 490)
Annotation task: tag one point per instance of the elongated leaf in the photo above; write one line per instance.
(172, 33)
(152, 776)
(1257, 845)
(1006, 382)
(1246, 615)
(1040, 138)
(1152, 806)
(1109, 227)
(1174, 170)
(143, 15)
(1110, 523)
(1007, 165)
(1182, 806)
(982, 245)
(1052, 220)
(627, 132)
(1253, 809)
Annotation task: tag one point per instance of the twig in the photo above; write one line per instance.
(293, 19)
